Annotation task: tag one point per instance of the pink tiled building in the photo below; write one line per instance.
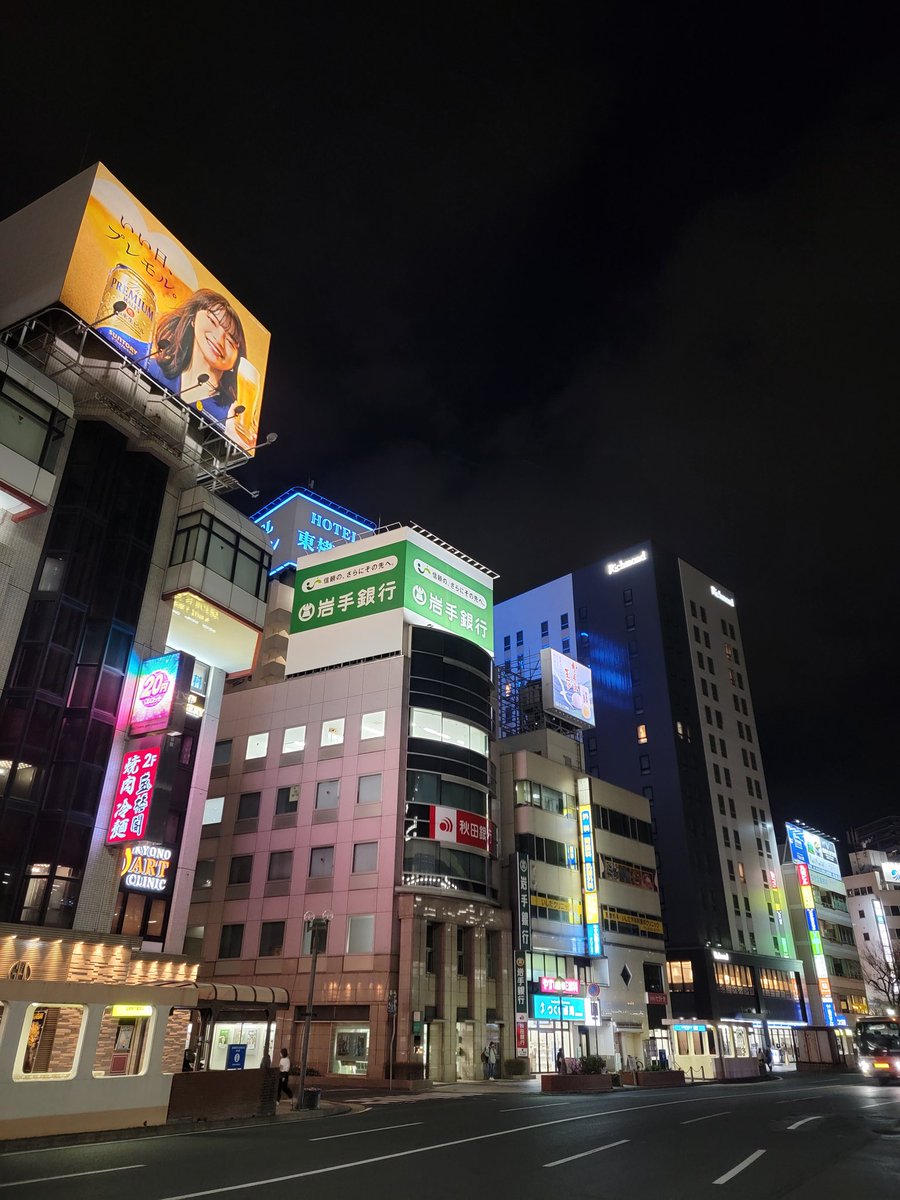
(363, 792)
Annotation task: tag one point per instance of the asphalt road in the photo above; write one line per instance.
(808, 1140)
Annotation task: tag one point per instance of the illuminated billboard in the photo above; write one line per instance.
(352, 602)
(146, 867)
(155, 694)
(566, 689)
(588, 869)
(93, 247)
(817, 852)
(300, 523)
(891, 872)
(134, 793)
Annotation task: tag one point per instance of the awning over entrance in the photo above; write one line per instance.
(242, 993)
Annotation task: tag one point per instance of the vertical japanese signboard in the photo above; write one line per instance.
(134, 792)
(588, 870)
(523, 906)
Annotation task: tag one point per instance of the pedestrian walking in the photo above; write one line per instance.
(769, 1059)
(284, 1070)
(485, 1063)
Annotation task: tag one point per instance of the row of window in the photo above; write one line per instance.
(549, 799)
(546, 850)
(199, 537)
(732, 977)
(438, 727)
(293, 739)
(328, 795)
(281, 865)
(545, 632)
(631, 922)
(360, 938)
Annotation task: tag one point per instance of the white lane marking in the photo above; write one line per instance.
(72, 1175)
(805, 1121)
(694, 1120)
(751, 1158)
(877, 1103)
(585, 1153)
(529, 1107)
(356, 1132)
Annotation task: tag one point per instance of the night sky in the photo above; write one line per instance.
(549, 280)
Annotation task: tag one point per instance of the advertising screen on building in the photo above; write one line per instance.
(557, 1008)
(134, 793)
(817, 852)
(411, 576)
(154, 696)
(460, 827)
(891, 872)
(566, 688)
(96, 249)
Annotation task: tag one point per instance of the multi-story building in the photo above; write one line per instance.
(881, 834)
(583, 995)
(675, 723)
(873, 897)
(125, 582)
(823, 930)
(349, 849)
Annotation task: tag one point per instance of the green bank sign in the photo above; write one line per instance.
(402, 575)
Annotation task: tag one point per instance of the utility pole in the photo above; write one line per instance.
(392, 1013)
(318, 927)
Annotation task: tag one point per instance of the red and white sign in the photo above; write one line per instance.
(134, 794)
(656, 997)
(463, 828)
(554, 986)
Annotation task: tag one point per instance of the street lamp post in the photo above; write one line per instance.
(317, 927)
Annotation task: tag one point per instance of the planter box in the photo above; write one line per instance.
(576, 1083)
(660, 1079)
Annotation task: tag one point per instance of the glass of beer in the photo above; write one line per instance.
(247, 421)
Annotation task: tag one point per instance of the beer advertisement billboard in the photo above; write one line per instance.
(145, 294)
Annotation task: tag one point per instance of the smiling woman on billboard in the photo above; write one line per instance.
(198, 348)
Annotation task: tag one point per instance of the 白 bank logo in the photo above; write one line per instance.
(622, 564)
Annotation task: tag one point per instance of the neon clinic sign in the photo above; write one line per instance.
(145, 867)
(155, 694)
(729, 600)
(622, 564)
(588, 870)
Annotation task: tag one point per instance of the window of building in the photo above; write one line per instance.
(737, 840)
(717, 773)
(725, 836)
(730, 869)
(731, 807)
(248, 806)
(710, 665)
(644, 762)
(230, 941)
(294, 739)
(271, 939)
(426, 723)
(693, 608)
(361, 934)
(564, 621)
(461, 964)
(545, 629)
(212, 810)
(680, 976)
(642, 734)
(286, 799)
(204, 872)
(321, 862)
(222, 754)
(368, 789)
(328, 793)
(566, 646)
(257, 746)
(721, 800)
(332, 732)
(306, 946)
(506, 642)
(240, 869)
(365, 858)
(741, 874)
(727, 776)
(280, 864)
(430, 939)
(520, 637)
(371, 726)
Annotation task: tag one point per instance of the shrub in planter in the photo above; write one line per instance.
(589, 1064)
